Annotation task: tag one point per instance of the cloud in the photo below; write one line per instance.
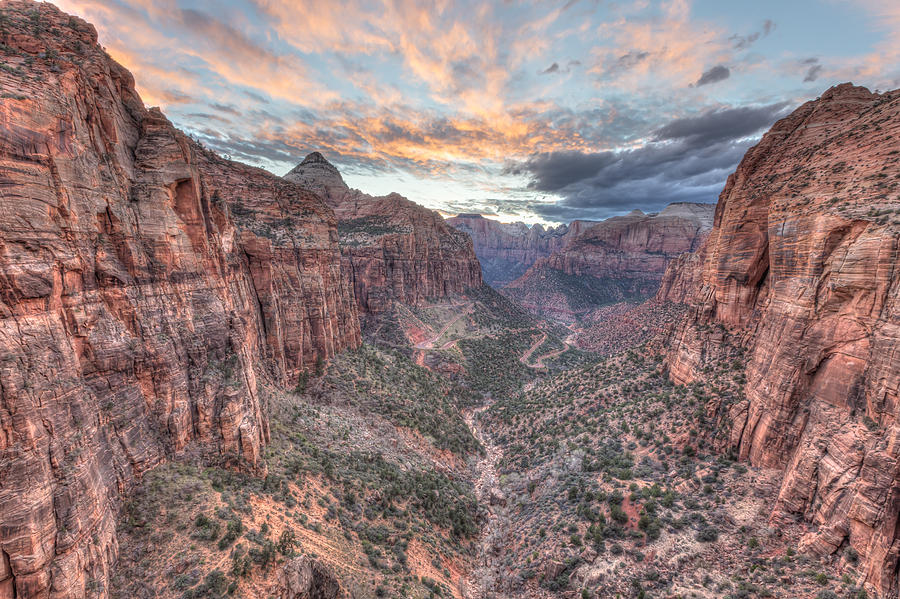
(688, 159)
(721, 124)
(812, 73)
(656, 45)
(553, 68)
(226, 108)
(554, 171)
(742, 42)
(433, 91)
(714, 75)
(813, 69)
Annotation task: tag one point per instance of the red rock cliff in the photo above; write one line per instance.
(802, 269)
(620, 258)
(394, 249)
(145, 284)
(507, 250)
(636, 246)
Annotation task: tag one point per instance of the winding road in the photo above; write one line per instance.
(429, 343)
(540, 361)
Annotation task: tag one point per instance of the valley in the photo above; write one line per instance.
(218, 382)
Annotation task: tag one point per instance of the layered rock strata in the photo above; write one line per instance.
(621, 258)
(801, 269)
(507, 250)
(145, 286)
(394, 249)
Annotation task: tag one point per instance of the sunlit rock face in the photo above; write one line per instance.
(801, 268)
(316, 174)
(393, 249)
(146, 286)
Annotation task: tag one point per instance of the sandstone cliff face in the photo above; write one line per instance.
(145, 284)
(507, 250)
(801, 269)
(394, 249)
(635, 247)
(620, 258)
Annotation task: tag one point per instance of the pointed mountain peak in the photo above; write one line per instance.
(316, 158)
(318, 175)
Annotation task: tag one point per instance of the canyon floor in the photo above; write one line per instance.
(470, 450)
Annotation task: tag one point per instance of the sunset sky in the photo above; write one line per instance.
(538, 111)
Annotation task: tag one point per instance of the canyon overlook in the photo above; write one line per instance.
(216, 381)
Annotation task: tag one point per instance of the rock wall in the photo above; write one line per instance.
(802, 269)
(507, 250)
(145, 285)
(636, 247)
(394, 249)
(621, 258)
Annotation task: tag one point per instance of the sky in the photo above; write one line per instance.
(537, 111)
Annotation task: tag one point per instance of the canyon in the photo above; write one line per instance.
(623, 258)
(394, 249)
(215, 381)
(507, 250)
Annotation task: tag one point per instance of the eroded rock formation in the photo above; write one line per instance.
(801, 270)
(618, 259)
(394, 249)
(507, 250)
(305, 578)
(145, 285)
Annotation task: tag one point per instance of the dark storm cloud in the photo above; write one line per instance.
(554, 171)
(721, 124)
(714, 75)
(688, 160)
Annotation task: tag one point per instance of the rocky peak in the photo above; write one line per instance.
(316, 158)
(394, 249)
(318, 175)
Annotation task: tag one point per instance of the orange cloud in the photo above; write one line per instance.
(670, 50)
